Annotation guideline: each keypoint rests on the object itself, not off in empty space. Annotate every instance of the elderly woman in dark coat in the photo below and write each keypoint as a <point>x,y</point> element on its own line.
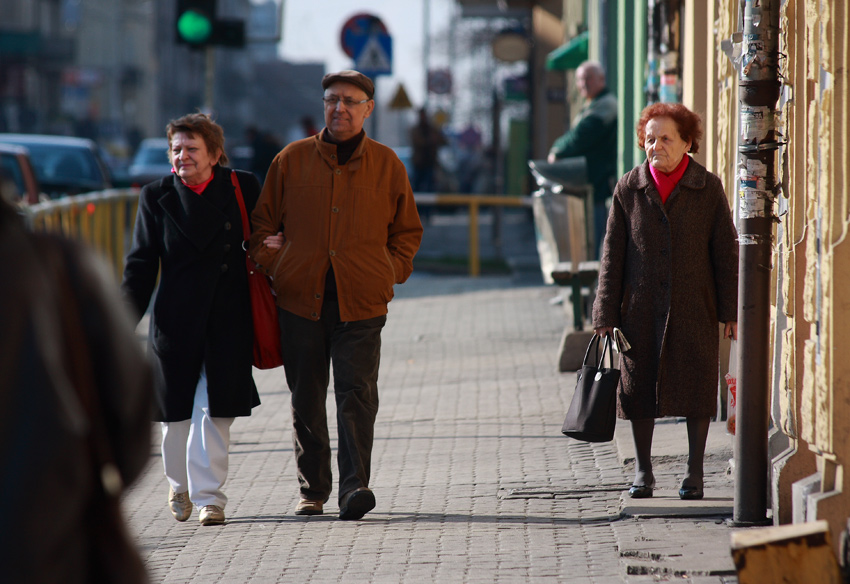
<point>189,230</point>
<point>668,275</point>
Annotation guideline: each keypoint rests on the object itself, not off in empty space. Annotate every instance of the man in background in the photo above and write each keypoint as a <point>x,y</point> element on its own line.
<point>593,135</point>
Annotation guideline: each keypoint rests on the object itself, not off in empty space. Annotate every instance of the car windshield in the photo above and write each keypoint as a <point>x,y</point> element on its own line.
<point>64,164</point>
<point>151,156</point>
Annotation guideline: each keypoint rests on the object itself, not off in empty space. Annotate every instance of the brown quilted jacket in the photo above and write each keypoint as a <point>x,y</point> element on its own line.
<point>359,217</point>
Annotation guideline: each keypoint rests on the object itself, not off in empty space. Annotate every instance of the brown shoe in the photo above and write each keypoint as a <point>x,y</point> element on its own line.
<point>211,515</point>
<point>309,507</point>
<point>357,503</point>
<point>180,505</point>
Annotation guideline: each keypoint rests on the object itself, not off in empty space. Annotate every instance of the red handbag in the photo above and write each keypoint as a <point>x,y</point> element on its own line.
<point>267,352</point>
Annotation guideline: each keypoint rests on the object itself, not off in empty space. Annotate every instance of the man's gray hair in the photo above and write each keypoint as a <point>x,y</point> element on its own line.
<point>594,67</point>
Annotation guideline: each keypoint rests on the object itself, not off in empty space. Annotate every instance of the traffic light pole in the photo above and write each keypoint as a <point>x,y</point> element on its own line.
<point>209,79</point>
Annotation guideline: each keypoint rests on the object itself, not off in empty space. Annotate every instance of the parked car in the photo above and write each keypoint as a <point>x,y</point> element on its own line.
<point>63,165</point>
<point>150,162</point>
<point>19,183</point>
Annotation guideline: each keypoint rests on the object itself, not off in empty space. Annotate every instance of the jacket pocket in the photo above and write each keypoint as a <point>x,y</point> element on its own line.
<point>281,254</point>
<point>392,266</point>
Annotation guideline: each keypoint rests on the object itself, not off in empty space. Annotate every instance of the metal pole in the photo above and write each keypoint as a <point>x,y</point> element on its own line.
<point>757,145</point>
<point>209,79</point>
<point>426,45</point>
<point>498,173</point>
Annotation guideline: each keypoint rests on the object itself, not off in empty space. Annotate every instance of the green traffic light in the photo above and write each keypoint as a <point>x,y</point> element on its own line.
<point>194,27</point>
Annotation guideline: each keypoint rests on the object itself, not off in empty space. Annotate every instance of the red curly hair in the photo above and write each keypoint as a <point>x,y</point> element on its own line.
<point>688,122</point>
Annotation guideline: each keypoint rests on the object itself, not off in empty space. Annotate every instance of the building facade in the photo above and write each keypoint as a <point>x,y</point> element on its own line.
<point>809,386</point>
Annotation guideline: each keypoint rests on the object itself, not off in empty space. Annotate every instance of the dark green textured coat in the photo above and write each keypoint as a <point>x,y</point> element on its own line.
<point>201,313</point>
<point>593,134</point>
<point>668,275</point>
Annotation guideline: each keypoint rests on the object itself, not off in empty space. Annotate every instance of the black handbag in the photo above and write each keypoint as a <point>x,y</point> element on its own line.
<point>593,410</point>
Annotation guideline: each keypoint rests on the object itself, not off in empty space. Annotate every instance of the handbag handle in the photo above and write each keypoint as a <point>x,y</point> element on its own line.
<point>246,226</point>
<point>606,348</point>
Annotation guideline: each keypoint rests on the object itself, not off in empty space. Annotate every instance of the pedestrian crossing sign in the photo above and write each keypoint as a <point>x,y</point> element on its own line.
<point>376,56</point>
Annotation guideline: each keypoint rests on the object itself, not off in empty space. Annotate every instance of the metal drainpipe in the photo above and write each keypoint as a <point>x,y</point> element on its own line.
<point>757,145</point>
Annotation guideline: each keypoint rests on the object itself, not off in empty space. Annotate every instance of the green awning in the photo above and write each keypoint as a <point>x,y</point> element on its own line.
<point>569,55</point>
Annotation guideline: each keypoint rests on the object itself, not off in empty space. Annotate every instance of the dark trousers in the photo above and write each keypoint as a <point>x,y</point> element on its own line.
<point>354,348</point>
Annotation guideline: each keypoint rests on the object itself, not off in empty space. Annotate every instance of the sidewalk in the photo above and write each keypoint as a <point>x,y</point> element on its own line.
<point>474,482</point>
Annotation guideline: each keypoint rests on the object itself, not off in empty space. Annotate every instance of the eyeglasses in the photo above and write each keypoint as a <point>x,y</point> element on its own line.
<point>333,100</point>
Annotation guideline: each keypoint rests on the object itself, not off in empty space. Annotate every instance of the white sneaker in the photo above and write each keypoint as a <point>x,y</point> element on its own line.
<point>180,505</point>
<point>211,515</point>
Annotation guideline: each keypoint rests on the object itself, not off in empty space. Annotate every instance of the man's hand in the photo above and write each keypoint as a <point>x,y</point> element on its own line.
<point>730,331</point>
<point>274,241</point>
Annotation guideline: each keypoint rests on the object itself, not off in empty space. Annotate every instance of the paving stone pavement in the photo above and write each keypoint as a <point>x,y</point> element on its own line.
<point>474,482</point>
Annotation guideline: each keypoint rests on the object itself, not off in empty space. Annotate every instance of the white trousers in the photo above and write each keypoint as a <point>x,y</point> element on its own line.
<point>194,452</point>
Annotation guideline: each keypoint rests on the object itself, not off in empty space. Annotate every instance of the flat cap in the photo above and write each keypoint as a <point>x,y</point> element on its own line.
<point>350,76</point>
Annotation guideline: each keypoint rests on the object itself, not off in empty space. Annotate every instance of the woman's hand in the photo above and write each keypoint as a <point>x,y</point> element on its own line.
<point>604,331</point>
<point>730,331</point>
<point>274,241</point>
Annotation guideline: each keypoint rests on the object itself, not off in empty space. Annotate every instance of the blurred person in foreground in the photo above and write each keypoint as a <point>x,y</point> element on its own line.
<point>75,392</point>
<point>336,227</point>
<point>668,275</point>
<point>189,231</point>
<point>593,135</point>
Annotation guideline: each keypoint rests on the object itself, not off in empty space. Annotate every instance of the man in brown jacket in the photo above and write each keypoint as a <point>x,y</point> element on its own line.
<point>335,228</point>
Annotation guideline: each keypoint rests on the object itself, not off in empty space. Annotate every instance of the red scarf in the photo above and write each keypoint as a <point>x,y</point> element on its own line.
<point>196,188</point>
<point>665,182</point>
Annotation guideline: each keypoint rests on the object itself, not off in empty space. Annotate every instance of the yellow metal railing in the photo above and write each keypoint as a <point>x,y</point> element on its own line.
<point>474,203</point>
<point>103,219</point>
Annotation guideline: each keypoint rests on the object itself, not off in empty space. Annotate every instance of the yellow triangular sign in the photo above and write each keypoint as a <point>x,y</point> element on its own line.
<point>400,101</point>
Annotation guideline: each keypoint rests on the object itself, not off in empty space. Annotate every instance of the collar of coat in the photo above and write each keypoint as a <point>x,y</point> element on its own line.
<point>328,151</point>
<point>694,178</point>
<point>199,217</point>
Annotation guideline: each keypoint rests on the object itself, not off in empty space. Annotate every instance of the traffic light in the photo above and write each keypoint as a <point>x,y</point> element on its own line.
<point>198,26</point>
<point>195,22</point>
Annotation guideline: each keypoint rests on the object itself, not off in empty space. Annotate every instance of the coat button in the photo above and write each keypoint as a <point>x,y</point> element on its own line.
<point>664,252</point>
<point>318,296</point>
<point>227,226</point>
<point>226,247</point>
<point>314,315</point>
<point>338,171</point>
<point>335,209</point>
<point>332,252</point>
<point>223,268</point>
<point>664,220</point>
<point>664,285</point>
<point>333,156</point>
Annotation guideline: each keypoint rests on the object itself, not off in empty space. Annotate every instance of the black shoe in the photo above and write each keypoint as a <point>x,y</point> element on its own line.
<point>690,493</point>
<point>357,503</point>
<point>641,491</point>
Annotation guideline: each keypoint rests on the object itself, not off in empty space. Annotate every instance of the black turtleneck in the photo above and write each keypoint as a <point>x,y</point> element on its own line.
<point>346,148</point>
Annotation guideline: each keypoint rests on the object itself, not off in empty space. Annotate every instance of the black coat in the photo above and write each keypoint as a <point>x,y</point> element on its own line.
<point>201,314</point>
